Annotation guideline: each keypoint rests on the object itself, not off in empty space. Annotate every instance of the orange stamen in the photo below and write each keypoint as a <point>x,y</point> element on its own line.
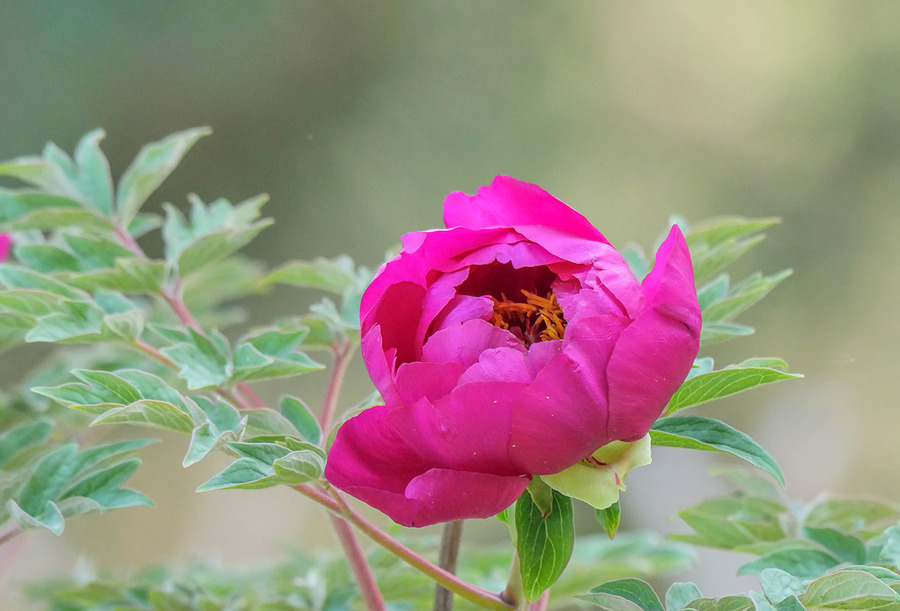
<point>536,319</point>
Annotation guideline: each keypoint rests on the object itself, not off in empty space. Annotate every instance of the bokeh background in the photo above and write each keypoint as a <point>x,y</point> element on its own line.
<point>358,117</point>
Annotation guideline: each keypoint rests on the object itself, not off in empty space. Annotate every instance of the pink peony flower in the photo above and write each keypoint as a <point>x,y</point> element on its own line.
<point>5,245</point>
<point>516,342</point>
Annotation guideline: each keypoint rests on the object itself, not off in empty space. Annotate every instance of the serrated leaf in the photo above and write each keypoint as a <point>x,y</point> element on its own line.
<point>215,231</point>
<point>850,590</point>
<point>633,590</point>
<point>202,361</point>
<point>298,414</point>
<point>710,435</point>
<point>544,544</point>
<point>152,165</point>
<point>706,387</point>
<point>25,435</point>
<point>799,562</point>
<point>680,594</point>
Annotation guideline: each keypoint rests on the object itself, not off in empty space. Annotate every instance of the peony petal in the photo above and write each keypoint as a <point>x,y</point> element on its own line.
<point>508,202</point>
<point>648,364</point>
<point>443,495</point>
<point>599,482</point>
<point>398,313</point>
<point>464,343</point>
<point>557,421</point>
<point>429,380</point>
<point>395,487</point>
<point>498,365</point>
<point>670,285</point>
<point>460,309</point>
<point>467,430</point>
<point>380,365</point>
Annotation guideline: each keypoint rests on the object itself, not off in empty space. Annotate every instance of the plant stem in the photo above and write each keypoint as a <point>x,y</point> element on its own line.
<point>358,564</point>
<point>450,540</point>
<point>342,354</point>
<point>514,594</point>
<point>476,595</point>
<point>9,535</point>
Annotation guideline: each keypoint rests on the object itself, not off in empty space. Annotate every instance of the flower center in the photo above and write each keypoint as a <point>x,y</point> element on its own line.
<point>537,319</point>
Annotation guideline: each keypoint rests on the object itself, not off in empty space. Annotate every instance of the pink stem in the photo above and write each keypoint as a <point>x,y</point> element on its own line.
<point>479,596</point>
<point>342,354</point>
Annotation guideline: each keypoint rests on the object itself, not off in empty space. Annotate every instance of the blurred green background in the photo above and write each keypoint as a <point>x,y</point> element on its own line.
<point>357,118</point>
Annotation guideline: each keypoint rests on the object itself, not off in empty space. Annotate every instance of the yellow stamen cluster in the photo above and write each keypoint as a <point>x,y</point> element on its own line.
<point>537,318</point>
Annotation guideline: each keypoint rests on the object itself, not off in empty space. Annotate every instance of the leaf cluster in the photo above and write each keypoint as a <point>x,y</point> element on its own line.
<point>829,554</point>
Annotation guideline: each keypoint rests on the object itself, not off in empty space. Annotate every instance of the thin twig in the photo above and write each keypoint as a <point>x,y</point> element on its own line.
<point>342,354</point>
<point>450,540</point>
<point>474,594</point>
<point>358,564</point>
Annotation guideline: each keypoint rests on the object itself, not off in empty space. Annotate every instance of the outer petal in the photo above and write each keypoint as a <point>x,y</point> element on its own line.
<point>383,466</point>
<point>508,202</point>
<point>558,421</point>
<point>670,285</point>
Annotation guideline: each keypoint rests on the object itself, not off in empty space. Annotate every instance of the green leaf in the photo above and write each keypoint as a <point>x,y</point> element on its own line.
<point>609,602</point>
<point>729,381</point>
<point>75,322</point>
<point>23,436</point>
<point>299,466</point>
<point>45,259</point>
<point>158,414</point>
<point>744,295</point>
<point>297,412</point>
<point>714,332</point>
<point>791,603</point>
<point>727,603</point>
<point>860,517</point>
<point>244,473</point>
<point>223,424</point>
<point>271,355</point>
<point>847,548</point>
<point>41,173</point>
<point>49,518</point>
<point>799,562</point>
<point>734,522</point>
<point>203,361</point>
<point>94,179</point>
<point>15,277</point>
<point>544,544</point>
<point>779,585</point>
<point>152,165</point>
<point>697,433</point>
<point>633,590</point>
<point>331,275</point>
<point>25,210</point>
<point>680,594</point>
<point>103,487</point>
<point>850,590</point>
<point>47,481</point>
<point>215,232</point>
<point>609,519</point>
<point>268,422</point>
<point>131,275</point>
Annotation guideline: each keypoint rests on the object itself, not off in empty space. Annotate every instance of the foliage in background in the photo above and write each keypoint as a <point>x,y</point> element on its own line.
<point>150,341</point>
